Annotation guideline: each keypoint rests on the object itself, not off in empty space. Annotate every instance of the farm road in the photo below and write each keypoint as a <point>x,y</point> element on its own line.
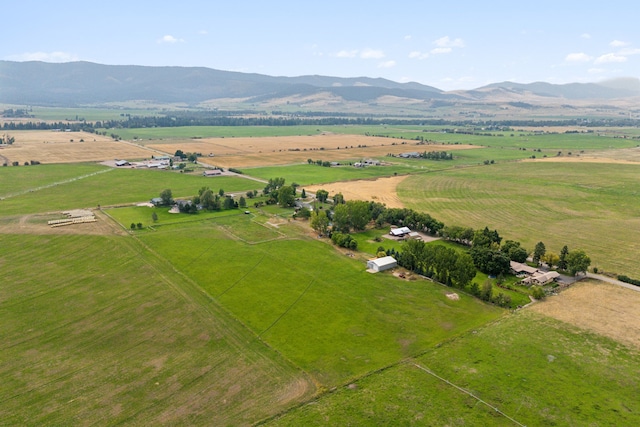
<point>613,281</point>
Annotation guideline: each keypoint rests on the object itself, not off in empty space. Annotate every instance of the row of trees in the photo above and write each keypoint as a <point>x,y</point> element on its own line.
<point>492,258</point>
<point>205,199</point>
<point>446,265</point>
<point>436,155</point>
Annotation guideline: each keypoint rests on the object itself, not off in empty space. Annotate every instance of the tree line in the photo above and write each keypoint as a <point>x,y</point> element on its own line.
<point>248,118</point>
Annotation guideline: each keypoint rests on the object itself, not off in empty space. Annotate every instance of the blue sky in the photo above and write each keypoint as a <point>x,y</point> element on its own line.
<point>450,45</point>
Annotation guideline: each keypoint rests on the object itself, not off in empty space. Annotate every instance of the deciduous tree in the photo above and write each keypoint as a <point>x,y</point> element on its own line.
<point>577,261</point>
<point>319,221</point>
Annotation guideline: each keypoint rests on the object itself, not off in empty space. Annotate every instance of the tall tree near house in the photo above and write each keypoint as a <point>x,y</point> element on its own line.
<point>322,195</point>
<point>341,220</point>
<point>166,196</point>
<point>359,214</point>
<point>538,252</point>
<point>577,261</point>
<point>319,221</point>
<point>562,262</point>
<point>286,196</point>
<point>550,258</point>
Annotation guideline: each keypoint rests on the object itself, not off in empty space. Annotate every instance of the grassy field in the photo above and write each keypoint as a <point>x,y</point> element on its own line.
<point>21,179</point>
<point>114,186</point>
<point>536,370</point>
<point>313,174</point>
<point>323,311</point>
<point>589,206</point>
<point>104,332</point>
<point>214,131</point>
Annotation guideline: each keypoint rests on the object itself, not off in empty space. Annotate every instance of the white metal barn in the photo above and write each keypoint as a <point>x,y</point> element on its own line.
<point>381,264</point>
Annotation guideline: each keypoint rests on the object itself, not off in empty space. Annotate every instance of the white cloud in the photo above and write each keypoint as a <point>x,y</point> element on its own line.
<point>578,57</point>
<point>447,42</point>
<point>441,50</point>
<point>45,57</point>
<point>610,57</point>
<point>618,43</point>
<point>407,37</point>
<point>347,54</point>
<point>418,55</point>
<point>629,51</point>
<point>371,54</point>
<point>596,70</point>
<point>585,36</point>
<point>387,64</point>
<point>203,32</point>
<point>169,39</point>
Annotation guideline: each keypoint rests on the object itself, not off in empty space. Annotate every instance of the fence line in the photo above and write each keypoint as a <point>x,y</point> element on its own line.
<point>470,394</point>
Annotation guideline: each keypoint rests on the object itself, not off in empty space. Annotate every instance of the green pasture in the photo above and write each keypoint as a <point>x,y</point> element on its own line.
<point>15,180</point>
<point>103,332</point>
<point>182,132</point>
<point>536,370</point>
<point>584,206</point>
<point>88,114</point>
<point>144,215</point>
<point>114,187</point>
<point>314,305</point>
<point>306,174</point>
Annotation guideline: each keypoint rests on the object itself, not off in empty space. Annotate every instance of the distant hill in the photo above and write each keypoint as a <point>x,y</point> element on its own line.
<point>612,89</point>
<point>84,83</point>
<point>77,83</point>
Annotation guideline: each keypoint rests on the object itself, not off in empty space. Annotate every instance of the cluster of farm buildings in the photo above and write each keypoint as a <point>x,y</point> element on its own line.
<point>529,275</point>
<point>533,276</point>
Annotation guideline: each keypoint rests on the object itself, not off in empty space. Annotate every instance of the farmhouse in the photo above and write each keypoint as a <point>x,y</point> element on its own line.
<point>157,201</point>
<point>519,268</point>
<point>122,163</point>
<point>400,231</point>
<point>381,264</point>
<point>213,172</point>
<point>541,279</point>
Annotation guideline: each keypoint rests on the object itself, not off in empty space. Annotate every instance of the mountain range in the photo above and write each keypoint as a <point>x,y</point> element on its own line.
<point>83,83</point>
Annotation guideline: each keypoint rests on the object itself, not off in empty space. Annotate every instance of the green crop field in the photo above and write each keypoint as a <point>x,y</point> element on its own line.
<point>103,331</point>
<point>182,132</point>
<point>307,174</point>
<point>536,370</point>
<point>585,206</point>
<point>336,325</point>
<point>112,187</point>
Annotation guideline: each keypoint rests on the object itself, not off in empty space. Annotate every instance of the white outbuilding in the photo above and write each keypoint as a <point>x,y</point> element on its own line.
<point>400,231</point>
<point>380,264</point>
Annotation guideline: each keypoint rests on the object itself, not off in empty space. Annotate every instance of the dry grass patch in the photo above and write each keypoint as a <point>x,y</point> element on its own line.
<point>56,147</point>
<point>382,190</point>
<point>267,151</point>
<point>37,224</point>
<point>603,308</point>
